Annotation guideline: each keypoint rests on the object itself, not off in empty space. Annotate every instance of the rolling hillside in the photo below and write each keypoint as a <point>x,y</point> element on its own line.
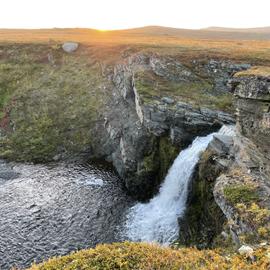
<point>144,34</point>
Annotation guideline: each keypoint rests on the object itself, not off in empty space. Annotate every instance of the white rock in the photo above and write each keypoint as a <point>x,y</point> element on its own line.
<point>224,235</point>
<point>70,47</point>
<point>168,100</point>
<point>245,250</point>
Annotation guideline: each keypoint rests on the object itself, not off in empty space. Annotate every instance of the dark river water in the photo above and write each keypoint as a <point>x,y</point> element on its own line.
<point>52,210</point>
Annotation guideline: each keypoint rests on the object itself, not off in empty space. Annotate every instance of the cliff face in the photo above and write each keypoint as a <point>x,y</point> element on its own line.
<point>149,119</point>
<point>253,109</point>
<point>238,183</point>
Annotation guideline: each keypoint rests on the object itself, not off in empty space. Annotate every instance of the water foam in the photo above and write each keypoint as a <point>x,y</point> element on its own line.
<point>157,220</point>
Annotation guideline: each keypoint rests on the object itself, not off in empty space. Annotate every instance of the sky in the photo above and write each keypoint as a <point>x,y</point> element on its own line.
<point>123,14</point>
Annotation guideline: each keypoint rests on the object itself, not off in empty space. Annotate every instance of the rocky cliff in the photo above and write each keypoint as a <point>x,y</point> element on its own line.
<point>148,126</point>
<point>137,110</point>
<point>231,187</point>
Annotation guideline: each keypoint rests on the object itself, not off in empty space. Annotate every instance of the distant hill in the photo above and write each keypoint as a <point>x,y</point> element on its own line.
<point>246,30</point>
<point>207,33</point>
<point>148,34</point>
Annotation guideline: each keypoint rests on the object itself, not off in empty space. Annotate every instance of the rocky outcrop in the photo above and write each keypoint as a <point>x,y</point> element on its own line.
<point>143,138</point>
<point>253,109</point>
<point>182,120</point>
<point>233,176</point>
<point>220,71</point>
<point>204,220</point>
<point>243,193</point>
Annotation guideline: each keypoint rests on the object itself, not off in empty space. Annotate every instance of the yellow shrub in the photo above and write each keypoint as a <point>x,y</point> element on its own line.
<point>142,256</point>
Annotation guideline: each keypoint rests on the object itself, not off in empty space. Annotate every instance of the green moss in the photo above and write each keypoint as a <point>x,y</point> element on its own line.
<point>36,141</point>
<point>224,102</point>
<point>258,218</point>
<point>198,93</point>
<point>11,77</point>
<point>150,163</point>
<point>54,104</point>
<point>156,163</point>
<point>241,193</point>
<point>167,154</point>
<point>204,220</point>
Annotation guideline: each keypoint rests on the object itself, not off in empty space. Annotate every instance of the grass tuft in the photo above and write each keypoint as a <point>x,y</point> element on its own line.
<point>241,193</point>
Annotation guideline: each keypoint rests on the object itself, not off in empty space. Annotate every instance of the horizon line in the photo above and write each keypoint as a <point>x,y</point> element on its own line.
<point>137,27</point>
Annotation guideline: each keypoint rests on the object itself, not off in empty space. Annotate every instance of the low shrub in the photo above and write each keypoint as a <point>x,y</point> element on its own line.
<point>142,256</point>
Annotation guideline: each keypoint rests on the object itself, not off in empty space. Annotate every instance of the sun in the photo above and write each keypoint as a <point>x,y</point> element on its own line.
<point>103,30</point>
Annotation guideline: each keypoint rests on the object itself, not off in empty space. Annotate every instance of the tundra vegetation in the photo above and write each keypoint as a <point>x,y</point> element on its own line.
<point>130,256</point>
<point>49,99</point>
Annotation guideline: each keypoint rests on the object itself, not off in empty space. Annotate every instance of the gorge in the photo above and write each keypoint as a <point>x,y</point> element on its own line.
<point>157,220</point>
<point>142,109</point>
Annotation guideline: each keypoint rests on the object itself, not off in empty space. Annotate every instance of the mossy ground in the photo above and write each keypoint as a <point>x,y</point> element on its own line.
<point>131,256</point>
<point>260,71</point>
<point>49,101</point>
<point>197,92</point>
<point>243,194</point>
<point>258,218</point>
<point>156,162</point>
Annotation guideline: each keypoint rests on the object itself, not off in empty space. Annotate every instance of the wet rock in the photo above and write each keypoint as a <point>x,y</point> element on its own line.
<point>6,172</point>
<point>179,136</point>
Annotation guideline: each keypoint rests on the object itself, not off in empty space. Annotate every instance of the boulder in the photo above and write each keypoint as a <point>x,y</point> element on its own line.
<point>222,143</point>
<point>70,47</point>
<point>245,250</point>
<point>168,100</point>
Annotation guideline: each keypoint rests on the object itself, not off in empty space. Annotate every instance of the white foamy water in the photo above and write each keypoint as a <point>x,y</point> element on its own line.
<point>157,221</point>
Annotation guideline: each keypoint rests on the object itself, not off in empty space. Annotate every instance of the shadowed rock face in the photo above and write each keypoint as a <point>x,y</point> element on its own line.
<point>253,109</point>
<point>230,191</point>
<point>143,134</point>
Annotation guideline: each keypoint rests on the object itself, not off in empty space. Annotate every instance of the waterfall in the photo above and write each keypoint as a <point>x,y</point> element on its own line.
<point>157,220</point>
